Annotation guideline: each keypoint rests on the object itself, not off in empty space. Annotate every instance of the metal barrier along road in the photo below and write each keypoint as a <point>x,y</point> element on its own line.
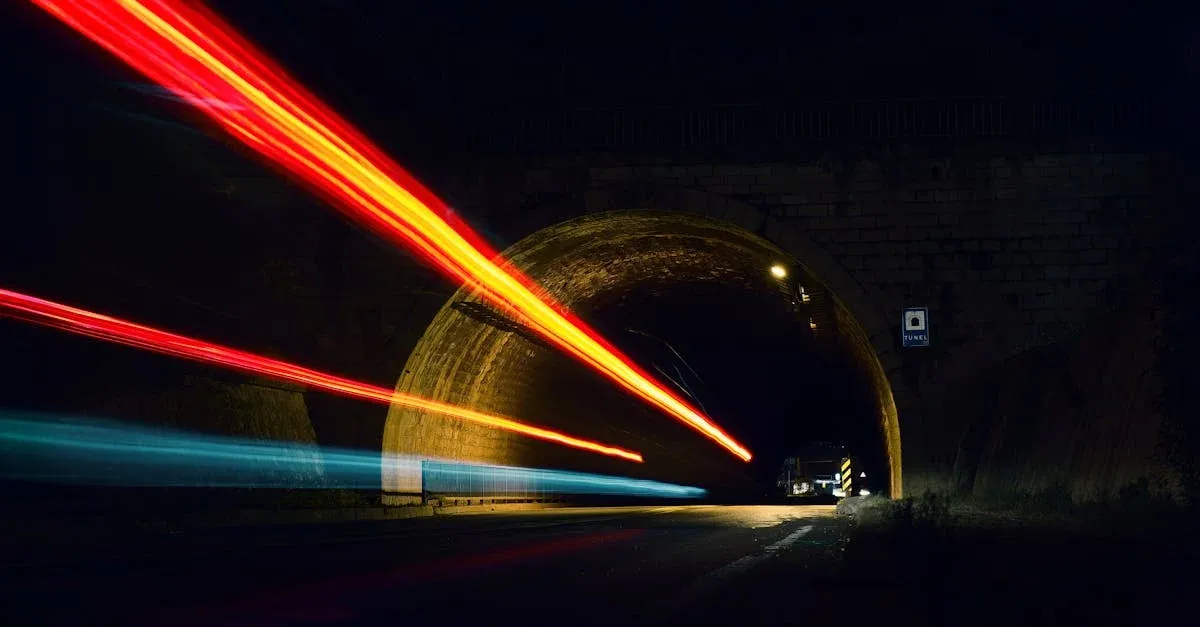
<point>451,481</point>
<point>634,128</point>
<point>448,480</point>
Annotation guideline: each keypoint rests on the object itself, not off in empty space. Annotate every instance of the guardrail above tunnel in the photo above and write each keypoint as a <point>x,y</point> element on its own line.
<point>671,128</point>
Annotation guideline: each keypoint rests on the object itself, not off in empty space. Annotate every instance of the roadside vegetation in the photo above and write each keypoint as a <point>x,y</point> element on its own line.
<point>1023,559</point>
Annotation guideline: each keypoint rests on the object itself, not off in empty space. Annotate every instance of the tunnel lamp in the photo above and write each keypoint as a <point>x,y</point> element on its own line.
<point>812,325</point>
<point>804,296</point>
<point>778,271</point>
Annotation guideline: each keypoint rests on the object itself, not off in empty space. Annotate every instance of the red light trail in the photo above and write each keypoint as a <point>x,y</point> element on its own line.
<point>189,50</point>
<point>111,329</point>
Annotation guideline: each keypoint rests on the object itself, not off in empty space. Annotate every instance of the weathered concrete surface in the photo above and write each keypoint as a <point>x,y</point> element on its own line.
<point>1078,420</point>
<point>261,410</point>
<point>251,409</point>
<point>243,518</point>
<point>855,506</point>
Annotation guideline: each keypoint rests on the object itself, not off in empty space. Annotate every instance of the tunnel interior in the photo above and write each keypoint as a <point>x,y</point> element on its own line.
<point>749,359</point>
<point>693,301</point>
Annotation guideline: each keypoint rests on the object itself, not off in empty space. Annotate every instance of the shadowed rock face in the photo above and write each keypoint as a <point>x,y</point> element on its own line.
<point>603,266</point>
<point>261,410</point>
<point>1073,421</point>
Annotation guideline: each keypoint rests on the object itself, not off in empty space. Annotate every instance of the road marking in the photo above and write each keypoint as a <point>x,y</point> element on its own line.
<point>714,580</point>
<point>746,562</point>
<point>790,539</point>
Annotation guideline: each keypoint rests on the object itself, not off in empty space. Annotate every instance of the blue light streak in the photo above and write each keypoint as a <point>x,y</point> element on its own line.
<point>89,451</point>
<point>452,478</point>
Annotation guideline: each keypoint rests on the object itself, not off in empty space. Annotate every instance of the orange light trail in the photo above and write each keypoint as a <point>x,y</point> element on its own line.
<point>99,326</point>
<point>188,49</point>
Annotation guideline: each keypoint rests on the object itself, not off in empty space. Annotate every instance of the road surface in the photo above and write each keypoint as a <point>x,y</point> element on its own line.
<point>639,566</point>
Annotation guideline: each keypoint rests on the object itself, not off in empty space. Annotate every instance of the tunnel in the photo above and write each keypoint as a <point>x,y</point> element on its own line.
<point>720,315</point>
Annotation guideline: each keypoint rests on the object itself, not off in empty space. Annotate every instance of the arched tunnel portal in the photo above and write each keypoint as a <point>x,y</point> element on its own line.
<point>694,301</point>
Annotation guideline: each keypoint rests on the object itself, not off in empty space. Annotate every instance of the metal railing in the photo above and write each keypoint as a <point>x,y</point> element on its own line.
<point>733,126</point>
<point>448,481</point>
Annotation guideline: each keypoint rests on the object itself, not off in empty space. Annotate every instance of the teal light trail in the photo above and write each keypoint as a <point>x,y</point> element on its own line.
<point>88,451</point>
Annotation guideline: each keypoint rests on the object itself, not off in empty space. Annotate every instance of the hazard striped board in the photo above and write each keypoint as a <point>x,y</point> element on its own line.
<point>847,476</point>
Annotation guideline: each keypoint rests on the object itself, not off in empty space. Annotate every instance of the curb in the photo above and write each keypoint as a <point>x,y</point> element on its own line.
<point>349,514</point>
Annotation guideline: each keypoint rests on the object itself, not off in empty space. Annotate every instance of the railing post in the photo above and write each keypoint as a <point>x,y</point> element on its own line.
<point>424,485</point>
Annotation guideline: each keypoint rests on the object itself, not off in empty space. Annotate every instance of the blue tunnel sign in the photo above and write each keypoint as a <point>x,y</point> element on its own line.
<point>914,328</point>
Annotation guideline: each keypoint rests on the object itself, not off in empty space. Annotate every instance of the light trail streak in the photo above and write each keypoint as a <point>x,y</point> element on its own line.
<point>188,49</point>
<point>99,326</point>
<point>162,92</point>
<point>89,451</point>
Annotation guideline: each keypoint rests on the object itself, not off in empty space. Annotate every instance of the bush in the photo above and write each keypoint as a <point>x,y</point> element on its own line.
<point>1053,500</point>
<point>932,509</point>
<point>926,512</point>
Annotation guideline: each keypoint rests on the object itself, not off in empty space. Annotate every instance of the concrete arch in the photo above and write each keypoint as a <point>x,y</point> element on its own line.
<point>874,332</point>
<point>460,357</point>
<point>785,235</point>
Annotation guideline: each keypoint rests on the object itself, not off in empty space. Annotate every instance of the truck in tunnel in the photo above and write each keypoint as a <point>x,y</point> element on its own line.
<point>822,470</point>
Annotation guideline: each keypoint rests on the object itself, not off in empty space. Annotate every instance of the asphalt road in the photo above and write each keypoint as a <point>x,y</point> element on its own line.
<point>641,566</point>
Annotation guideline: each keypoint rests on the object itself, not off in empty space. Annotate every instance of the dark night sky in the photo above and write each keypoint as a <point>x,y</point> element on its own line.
<point>374,59</point>
<point>372,56</point>
<point>382,62</point>
<point>732,51</point>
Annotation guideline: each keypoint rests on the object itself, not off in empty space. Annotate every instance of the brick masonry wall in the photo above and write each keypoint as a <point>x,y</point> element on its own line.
<point>1008,252</point>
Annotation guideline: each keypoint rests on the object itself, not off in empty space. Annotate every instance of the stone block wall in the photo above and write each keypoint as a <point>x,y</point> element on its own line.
<point>1011,249</point>
<point>1008,252</point>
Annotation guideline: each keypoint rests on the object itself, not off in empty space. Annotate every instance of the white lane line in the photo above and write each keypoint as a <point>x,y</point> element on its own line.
<point>710,583</point>
<point>746,562</point>
<point>790,539</point>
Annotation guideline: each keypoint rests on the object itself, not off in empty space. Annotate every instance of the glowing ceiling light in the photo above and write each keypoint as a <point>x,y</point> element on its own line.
<point>111,329</point>
<point>189,50</point>
<point>778,271</point>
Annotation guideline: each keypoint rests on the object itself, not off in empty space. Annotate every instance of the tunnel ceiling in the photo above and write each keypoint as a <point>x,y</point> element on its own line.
<point>656,284</point>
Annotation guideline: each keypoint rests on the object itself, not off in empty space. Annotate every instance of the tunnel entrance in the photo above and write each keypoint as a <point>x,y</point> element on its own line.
<point>723,316</point>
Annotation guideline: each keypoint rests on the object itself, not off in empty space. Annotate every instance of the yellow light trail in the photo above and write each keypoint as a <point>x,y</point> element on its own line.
<point>191,51</point>
<point>108,328</point>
